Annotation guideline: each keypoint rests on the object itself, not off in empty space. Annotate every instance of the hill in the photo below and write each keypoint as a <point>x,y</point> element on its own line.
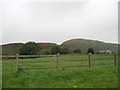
<point>10,49</point>
<point>46,45</point>
<point>13,48</point>
<point>73,44</point>
<point>84,44</point>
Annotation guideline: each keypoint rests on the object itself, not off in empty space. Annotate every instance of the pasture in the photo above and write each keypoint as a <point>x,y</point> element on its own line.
<point>69,72</point>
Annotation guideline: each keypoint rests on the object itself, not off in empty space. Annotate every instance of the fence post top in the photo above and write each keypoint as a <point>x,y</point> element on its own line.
<point>17,54</point>
<point>58,54</point>
<point>89,53</point>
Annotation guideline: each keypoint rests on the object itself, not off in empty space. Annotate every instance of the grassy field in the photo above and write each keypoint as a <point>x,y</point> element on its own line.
<point>105,76</point>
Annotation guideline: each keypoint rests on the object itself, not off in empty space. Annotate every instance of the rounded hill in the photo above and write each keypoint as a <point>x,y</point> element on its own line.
<point>84,44</point>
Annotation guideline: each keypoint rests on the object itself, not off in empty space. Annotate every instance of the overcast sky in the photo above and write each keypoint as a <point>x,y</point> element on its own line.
<point>58,21</point>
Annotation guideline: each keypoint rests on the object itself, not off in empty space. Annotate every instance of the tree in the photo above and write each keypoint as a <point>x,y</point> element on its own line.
<point>30,48</point>
<point>44,52</point>
<point>91,50</point>
<point>77,51</point>
<point>56,49</point>
<point>65,51</point>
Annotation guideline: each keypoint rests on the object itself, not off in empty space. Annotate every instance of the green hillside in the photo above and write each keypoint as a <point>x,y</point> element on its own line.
<point>46,45</point>
<point>10,49</point>
<point>73,44</point>
<point>13,48</point>
<point>84,44</point>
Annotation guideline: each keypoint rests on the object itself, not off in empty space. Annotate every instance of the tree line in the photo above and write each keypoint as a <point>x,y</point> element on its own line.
<point>32,48</point>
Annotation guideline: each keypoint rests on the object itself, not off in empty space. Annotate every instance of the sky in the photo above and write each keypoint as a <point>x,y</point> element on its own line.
<point>58,20</point>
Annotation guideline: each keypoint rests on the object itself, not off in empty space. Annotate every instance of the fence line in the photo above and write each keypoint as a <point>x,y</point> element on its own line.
<point>24,56</point>
<point>17,63</point>
<point>58,61</point>
<point>89,60</point>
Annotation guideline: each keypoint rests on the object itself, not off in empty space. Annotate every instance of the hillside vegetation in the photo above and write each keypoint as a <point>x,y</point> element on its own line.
<point>84,44</point>
<point>13,48</point>
<point>73,44</point>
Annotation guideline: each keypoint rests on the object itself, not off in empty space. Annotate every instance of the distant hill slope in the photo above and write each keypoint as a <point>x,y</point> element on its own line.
<point>84,44</point>
<point>46,45</point>
<point>10,49</point>
<point>13,48</point>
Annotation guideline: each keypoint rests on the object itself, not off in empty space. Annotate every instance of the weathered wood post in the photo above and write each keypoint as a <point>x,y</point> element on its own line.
<point>115,61</point>
<point>89,60</point>
<point>17,63</point>
<point>57,62</point>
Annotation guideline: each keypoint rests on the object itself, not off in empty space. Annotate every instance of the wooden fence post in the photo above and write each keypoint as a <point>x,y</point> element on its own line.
<point>57,62</point>
<point>115,61</point>
<point>89,60</point>
<point>17,63</point>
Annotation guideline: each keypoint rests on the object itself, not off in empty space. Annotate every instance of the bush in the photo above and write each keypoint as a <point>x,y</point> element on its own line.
<point>91,50</point>
<point>44,52</point>
<point>56,49</point>
<point>65,51</point>
<point>77,51</point>
<point>30,48</point>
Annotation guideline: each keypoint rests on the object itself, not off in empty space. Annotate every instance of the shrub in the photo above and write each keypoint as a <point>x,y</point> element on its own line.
<point>65,51</point>
<point>77,51</point>
<point>91,50</point>
<point>56,49</point>
<point>44,52</point>
<point>30,48</point>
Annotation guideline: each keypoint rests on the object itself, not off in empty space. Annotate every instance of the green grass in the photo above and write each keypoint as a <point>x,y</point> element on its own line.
<point>82,77</point>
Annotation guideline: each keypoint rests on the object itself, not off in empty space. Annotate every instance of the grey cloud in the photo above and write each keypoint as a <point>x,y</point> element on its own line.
<point>57,22</point>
